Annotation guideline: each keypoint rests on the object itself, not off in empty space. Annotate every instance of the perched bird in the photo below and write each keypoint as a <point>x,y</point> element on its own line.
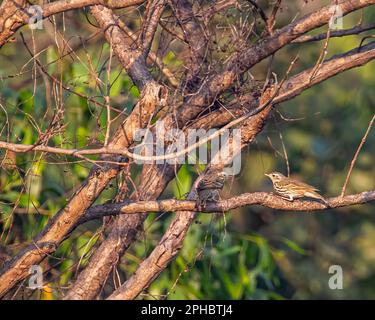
<point>290,189</point>
<point>210,185</point>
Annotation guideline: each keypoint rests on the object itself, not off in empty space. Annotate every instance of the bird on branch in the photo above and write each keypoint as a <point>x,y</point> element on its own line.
<point>210,185</point>
<point>290,189</point>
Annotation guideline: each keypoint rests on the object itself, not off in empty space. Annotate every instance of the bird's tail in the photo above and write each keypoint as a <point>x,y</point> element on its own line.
<point>315,195</point>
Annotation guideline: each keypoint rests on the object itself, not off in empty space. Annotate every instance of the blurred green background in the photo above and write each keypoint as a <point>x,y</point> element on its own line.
<point>255,252</point>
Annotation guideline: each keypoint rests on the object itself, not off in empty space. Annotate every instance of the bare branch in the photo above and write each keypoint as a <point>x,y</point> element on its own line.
<point>335,34</point>
<point>153,57</point>
<point>92,278</point>
<point>153,14</point>
<point>272,18</point>
<point>262,14</point>
<point>356,155</point>
<point>209,11</point>
<point>247,199</point>
<point>133,59</point>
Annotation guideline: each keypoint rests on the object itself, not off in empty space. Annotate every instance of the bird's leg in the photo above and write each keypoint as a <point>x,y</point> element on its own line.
<point>326,203</point>
<point>216,196</point>
<point>204,203</point>
<point>288,198</point>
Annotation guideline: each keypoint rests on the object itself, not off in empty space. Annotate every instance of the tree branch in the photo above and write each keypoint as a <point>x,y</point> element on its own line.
<point>133,59</point>
<point>153,13</point>
<point>195,36</point>
<point>14,15</point>
<point>356,155</point>
<point>264,199</point>
<point>334,34</point>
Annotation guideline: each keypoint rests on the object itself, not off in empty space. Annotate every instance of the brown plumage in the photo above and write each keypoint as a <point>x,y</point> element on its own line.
<point>290,189</point>
<point>210,185</point>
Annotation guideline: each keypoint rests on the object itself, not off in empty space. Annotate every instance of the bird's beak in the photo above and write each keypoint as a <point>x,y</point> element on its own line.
<point>266,174</point>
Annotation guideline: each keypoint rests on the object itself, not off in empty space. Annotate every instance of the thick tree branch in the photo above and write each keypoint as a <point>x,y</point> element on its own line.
<point>151,21</point>
<point>268,200</point>
<point>207,94</point>
<point>205,82</point>
<point>133,59</point>
<point>152,56</point>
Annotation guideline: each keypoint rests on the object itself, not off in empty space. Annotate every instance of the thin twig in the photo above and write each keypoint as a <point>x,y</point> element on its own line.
<point>334,34</point>
<point>356,155</point>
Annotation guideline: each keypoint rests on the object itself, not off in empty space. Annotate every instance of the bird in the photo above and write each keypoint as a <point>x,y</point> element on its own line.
<point>290,189</point>
<point>208,188</point>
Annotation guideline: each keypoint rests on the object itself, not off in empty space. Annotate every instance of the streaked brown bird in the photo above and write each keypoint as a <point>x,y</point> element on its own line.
<point>210,185</point>
<point>290,189</point>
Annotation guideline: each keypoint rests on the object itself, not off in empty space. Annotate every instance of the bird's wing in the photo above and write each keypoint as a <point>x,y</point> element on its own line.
<point>209,183</point>
<point>304,185</point>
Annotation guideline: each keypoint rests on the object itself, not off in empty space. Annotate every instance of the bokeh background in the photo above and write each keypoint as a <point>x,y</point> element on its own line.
<point>252,252</point>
